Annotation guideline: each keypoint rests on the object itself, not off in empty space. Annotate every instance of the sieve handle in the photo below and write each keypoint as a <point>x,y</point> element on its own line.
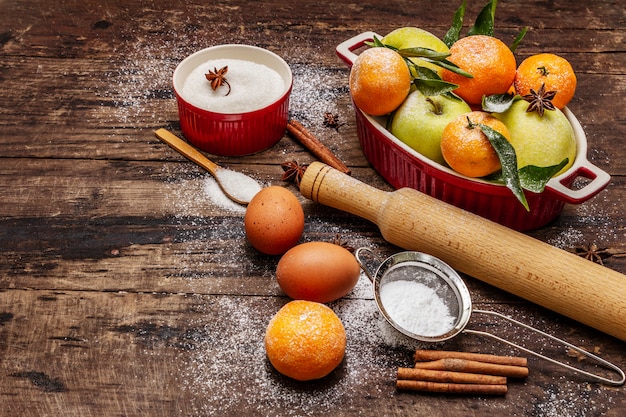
<point>596,377</point>
<point>358,254</point>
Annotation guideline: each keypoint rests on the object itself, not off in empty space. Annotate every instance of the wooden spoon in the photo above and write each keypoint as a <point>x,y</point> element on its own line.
<point>236,186</point>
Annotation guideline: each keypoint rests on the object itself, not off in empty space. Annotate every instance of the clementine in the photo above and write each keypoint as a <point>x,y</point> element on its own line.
<point>550,70</point>
<point>379,81</point>
<point>466,149</point>
<point>491,63</point>
<point>305,340</point>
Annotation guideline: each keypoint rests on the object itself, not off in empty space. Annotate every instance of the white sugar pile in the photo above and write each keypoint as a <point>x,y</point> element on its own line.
<point>252,86</point>
<point>416,308</point>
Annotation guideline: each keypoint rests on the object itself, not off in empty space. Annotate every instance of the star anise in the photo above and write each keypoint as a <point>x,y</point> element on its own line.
<point>332,121</point>
<point>293,171</point>
<point>540,100</point>
<point>593,253</point>
<point>218,78</point>
<point>337,241</point>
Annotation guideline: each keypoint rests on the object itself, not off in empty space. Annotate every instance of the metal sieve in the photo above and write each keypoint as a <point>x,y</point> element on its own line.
<point>445,284</point>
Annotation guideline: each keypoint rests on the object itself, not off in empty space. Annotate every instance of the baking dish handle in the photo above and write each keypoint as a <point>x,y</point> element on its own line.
<point>345,49</point>
<point>599,179</point>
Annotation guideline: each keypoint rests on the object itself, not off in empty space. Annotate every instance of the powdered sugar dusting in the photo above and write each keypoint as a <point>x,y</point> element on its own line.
<point>215,372</point>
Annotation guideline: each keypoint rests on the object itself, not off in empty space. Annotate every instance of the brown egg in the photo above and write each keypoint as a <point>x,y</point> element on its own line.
<point>274,220</point>
<point>317,271</point>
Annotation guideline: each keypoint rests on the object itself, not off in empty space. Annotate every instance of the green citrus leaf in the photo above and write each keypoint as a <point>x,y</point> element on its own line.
<point>424,72</point>
<point>431,87</point>
<point>429,55</point>
<point>485,21</point>
<point>434,57</point>
<point>454,33</point>
<point>419,52</point>
<point>430,83</point>
<point>519,38</point>
<point>508,160</point>
<point>498,103</point>
<point>534,178</point>
<point>376,43</point>
<point>452,67</point>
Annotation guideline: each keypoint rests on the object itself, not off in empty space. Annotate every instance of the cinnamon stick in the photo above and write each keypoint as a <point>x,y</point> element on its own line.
<point>451,388</point>
<point>432,355</point>
<point>317,148</point>
<point>464,365</point>
<point>450,377</point>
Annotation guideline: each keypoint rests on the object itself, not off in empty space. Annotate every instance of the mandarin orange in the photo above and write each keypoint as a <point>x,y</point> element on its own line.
<point>305,340</point>
<point>551,70</point>
<point>466,149</point>
<point>379,81</point>
<point>489,60</point>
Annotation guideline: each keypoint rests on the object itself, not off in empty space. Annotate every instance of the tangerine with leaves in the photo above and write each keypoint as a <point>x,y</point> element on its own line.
<point>491,63</point>
<point>305,340</point>
<point>553,72</point>
<point>466,149</point>
<point>379,81</point>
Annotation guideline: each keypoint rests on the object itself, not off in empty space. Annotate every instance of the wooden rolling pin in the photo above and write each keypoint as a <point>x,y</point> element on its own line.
<point>512,261</point>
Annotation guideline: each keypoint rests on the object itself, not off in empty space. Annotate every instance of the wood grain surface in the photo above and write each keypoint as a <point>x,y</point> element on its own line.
<point>127,289</point>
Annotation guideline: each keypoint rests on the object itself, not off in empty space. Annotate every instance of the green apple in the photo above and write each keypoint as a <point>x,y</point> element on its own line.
<point>539,140</point>
<point>420,120</point>
<point>412,37</point>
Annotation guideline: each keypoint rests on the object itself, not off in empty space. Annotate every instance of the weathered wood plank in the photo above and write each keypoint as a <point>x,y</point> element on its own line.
<point>162,355</point>
<point>95,29</point>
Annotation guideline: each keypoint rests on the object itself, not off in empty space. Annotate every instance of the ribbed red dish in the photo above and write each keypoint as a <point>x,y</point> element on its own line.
<point>232,134</point>
<point>402,166</point>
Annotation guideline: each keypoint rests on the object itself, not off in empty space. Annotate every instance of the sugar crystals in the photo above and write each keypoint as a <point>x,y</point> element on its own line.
<point>253,86</point>
<point>238,185</point>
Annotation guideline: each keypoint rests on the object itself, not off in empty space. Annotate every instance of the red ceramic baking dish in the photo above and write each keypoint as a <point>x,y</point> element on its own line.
<point>401,166</point>
<point>233,133</point>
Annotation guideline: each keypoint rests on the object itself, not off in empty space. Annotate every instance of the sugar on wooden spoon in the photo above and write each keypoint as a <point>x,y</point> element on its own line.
<point>238,187</point>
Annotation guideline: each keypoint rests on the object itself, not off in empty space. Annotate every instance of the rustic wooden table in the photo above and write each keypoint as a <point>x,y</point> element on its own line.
<point>126,290</point>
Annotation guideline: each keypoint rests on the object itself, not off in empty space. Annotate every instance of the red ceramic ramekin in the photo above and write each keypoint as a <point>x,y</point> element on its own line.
<point>232,134</point>
<point>402,166</point>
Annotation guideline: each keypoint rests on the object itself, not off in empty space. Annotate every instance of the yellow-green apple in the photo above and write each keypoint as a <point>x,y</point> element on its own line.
<point>539,140</point>
<point>420,120</point>
<point>413,37</point>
